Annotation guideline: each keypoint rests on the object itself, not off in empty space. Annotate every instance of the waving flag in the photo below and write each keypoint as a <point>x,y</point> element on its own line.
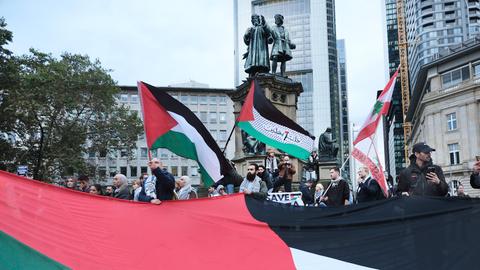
<point>47,227</point>
<point>170,124</point>
<point>380,108</point>
<point>261,120</point>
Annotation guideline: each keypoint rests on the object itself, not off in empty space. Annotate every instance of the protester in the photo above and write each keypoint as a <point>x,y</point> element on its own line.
<point>265,176</point>
<point>251,183</point>
<point>422,177</point>
<point>285,175</point>
<point>368,188</point>
<point>185,190</point>
<point>136,188</point>
<point>96,189</point>
<point>318,195</point>
<point>121,187</point>
<point>311,167</point>
<point>308,192</point>
<point>475,177</point>
<point>461,192</point>
<point>84,183</point>
<point>271,164</point>
<point>212,191</point>
<point>159,186</point>
<point>109,191</point>
<point>338,191</point>
<point>221,191</point>
<point>71,183</point>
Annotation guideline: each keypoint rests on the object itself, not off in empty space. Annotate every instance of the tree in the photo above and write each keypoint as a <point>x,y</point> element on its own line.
<point>61,109</point>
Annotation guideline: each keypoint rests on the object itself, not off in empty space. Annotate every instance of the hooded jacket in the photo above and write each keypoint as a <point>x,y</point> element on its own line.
<point>413,180</point>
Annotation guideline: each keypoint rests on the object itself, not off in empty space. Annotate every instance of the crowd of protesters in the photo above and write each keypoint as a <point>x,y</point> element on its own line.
<point>420,178</point>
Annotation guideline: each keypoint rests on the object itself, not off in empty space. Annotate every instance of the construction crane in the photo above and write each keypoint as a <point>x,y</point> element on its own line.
<point>402,49</point>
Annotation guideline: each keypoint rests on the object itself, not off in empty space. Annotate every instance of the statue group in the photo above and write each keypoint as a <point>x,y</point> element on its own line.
<point>257,39</point>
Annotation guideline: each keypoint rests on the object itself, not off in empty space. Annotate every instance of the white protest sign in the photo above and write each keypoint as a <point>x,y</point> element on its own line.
<point>293,198</point>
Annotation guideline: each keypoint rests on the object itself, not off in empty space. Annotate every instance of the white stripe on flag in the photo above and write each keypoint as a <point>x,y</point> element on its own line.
<point>206,156</point>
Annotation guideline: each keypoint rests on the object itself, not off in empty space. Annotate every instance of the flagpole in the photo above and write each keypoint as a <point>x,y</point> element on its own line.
<point>229,137</point>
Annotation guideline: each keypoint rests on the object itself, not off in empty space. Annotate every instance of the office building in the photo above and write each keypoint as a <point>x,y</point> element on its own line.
<point>311,24</point>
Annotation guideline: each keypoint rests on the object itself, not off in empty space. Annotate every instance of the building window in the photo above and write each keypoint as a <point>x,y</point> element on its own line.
<point>222,100</point>
<point>476,69</point>
<point>223,135</point>
<point>213,100</point>
<point>123,170</point>
<point>452,121</point>
<point>143,170</point>
<point>113,171</point>
<point>143,152</point>
<point>214,134</point>
<point>184,99</point>
<point>203,99</point>
<point>184,170</point>
<point>123,153</point>
<point>194,171</point>
<point>123,98</point>
<point>133,98</point>
<point>133,171</point>
<point>174,170</point>
<point>213,117</point>
<point>203,117</point>
<point>194,100</point>
<point>91,154</point>
<point>456,76</point>
<point>222,117</point>
<point>454,152</point>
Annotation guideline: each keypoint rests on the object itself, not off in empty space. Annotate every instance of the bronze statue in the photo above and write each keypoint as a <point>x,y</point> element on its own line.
<point>327,147</point>
<point>281,46</point>
<point>256,38</point>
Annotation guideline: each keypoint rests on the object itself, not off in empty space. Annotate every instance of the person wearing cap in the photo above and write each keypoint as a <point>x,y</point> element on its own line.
<point>422,177</point>
<point>475,177</point>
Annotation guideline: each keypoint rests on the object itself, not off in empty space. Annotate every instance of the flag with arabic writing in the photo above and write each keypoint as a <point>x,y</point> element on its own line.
<point>260,119</point>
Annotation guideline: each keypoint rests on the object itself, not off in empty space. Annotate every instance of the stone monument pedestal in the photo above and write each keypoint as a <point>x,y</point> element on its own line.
<point>283,93</point>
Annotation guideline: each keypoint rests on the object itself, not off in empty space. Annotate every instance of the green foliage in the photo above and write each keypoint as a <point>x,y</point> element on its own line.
<point>61,109</point>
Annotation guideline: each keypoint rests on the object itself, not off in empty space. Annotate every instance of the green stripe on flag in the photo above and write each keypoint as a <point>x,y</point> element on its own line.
<point>291,149</point>
<point>16,255</point>
<point>181,145</point>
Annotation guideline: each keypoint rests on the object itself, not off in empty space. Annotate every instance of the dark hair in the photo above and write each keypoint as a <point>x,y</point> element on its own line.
<point>83,178</point>
<point>255,165</point>
<point>335,169</point>
<point>261,166</point>
<point>98,187</point>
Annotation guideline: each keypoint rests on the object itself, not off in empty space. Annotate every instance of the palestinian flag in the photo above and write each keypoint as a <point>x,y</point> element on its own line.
<point>381,107</point>
<point>261,120</point>
<point>48,227</point>
<point>170,124</point>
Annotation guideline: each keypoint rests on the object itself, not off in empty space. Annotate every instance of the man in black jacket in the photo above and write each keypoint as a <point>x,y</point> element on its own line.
<point>164,184</point>
<point>475,177</point>
<point>368,188</point>
<point>422,177</point>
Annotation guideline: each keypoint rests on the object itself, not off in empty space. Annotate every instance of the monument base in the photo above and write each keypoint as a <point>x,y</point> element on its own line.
<point>324,171</point>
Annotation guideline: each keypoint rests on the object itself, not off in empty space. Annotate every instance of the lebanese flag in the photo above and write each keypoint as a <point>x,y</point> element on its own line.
<point>381,107</point>
<point>49,227</point>
<point>263,121</point>
<point>376,171</point>
<point>170,124</point>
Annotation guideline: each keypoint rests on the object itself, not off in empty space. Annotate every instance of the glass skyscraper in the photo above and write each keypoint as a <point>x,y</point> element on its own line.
<point>311,24</point>
<point>344,123</point>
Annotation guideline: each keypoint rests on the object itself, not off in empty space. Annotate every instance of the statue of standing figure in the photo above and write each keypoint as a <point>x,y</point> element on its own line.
<point>257,39</point>
<point>282,46</point>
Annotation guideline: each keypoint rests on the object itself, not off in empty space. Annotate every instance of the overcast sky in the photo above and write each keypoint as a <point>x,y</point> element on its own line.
<point>183,40</point>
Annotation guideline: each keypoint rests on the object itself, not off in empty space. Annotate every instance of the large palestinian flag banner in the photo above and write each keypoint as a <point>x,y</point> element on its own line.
<point>170,124</point>
<point>47,227</point>
<point>261,120</point>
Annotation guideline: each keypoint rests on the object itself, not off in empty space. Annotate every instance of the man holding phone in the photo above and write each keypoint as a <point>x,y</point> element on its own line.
<point>422,177</point>
<point>475,177</point>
